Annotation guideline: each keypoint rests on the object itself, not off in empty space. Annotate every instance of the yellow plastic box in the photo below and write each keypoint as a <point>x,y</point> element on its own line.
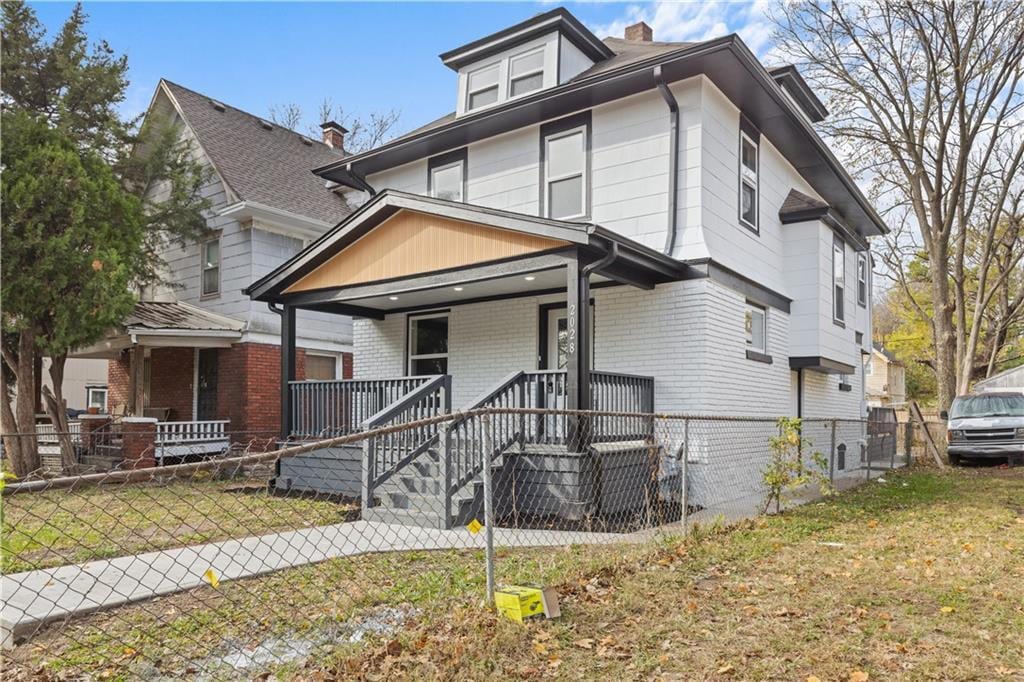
<point>519,603</point>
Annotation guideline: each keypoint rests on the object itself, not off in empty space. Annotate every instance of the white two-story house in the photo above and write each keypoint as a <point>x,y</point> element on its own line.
<point>667,208</point>
<point>618,225</point>
<point>200,349</point>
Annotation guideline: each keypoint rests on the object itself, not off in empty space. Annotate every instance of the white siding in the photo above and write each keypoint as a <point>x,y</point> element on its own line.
<point>503,171</point>
<point>571,60</point>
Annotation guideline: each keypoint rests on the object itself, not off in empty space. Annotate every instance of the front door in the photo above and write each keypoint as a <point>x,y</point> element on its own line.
<point>555,354</point>
<point>206,388</point>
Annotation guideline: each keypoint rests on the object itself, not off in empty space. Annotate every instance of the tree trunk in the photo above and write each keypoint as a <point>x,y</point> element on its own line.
<point>25,412</point>
<point>943,329</point>
<point>56,407</point>
<point>8,423</point>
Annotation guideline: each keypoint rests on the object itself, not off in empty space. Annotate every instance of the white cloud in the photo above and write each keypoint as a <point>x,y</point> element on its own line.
<point>696,21</point>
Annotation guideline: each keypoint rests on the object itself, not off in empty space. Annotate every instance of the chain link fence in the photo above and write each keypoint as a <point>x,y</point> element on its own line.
<point>266,557</point>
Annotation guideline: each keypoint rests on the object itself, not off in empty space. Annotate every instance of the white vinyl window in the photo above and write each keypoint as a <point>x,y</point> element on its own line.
<point>96,396</point>
<point>446,181</point>
<point>428,344</point>
<point>748,181</point>
<point>757,328</point>
<point>838,279</point>
<point>321,367</point>
<point>482,87</point>
<point>526,73</point>
<point>209,253</point>
<point>565,169</point>
<point>862,279</point>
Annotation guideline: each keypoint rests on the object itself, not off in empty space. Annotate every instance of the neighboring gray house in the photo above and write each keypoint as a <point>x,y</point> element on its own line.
<point>616,224</point>
<point>202,349</point>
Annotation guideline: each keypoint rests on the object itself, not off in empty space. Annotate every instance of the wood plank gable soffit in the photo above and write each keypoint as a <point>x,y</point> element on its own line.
<point>412,243</point>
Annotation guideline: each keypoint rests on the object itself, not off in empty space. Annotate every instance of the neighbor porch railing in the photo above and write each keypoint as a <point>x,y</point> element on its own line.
<point>322,409</point>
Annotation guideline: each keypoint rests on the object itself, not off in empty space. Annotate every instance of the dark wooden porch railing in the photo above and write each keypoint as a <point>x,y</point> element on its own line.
<point>323,409</point>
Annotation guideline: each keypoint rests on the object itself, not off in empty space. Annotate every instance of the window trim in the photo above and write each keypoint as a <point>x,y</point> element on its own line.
<point>331,356</point>
<point>862,296</point>
<point>447,160</point>
<point>838,302</point>
<point>497,87</point>
<point>751,134</point>
<point>763,350</point>
<point>203,294</point>
<point>541,49</point>
<point>554,130</point>
<point>409,356</point>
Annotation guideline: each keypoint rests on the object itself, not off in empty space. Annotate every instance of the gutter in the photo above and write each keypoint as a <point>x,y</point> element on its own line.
<point>673,159</point>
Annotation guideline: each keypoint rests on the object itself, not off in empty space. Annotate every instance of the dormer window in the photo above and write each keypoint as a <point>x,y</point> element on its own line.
<point>526,73</point>
<point>483,87</point>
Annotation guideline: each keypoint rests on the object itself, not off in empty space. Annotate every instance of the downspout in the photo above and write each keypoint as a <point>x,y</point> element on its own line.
<point>673,161</point>
<point>610,257</point>
<point>361,181</point>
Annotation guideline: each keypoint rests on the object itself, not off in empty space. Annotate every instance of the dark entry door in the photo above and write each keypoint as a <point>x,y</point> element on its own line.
<point>206,391</point>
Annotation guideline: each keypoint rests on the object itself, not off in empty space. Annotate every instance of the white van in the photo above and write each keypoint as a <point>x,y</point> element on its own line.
<point>986,425</point>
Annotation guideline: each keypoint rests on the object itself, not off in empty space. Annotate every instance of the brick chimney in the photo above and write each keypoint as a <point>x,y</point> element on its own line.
<point>640,32</point>
<point>334,135</point>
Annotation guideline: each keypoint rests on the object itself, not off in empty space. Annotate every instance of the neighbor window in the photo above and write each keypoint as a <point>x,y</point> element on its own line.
<point>748,182</point>
<point>565,167</point>
<point>838,279</point>
<point>526,73</point>
<point>210,255</point>
<point>446,181</point>
<point>862,279</point>
<point>757,335</point>
<point>482,87</point>
<point>428,344</point>
<point>321,367</point>
<point>96,396</point>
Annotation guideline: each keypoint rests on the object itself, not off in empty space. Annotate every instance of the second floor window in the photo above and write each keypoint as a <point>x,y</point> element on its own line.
<point>838,279</point>
<point>446,181</point>
<point>748,182</point>
<point>565,166</point>
<point>209,253</point>
<point>526,73</point>
<point>862,279</point>
<point>482,87</point>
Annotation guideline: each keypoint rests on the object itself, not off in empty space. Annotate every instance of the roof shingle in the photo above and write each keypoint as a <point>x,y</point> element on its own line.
<point>267,166</point>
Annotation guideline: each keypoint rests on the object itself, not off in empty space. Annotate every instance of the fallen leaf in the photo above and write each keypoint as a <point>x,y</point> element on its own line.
<point>947,609</point>
<point>727,668</point>
<point>584,643</point>
<point>812,678</point>
<point>858,676</point>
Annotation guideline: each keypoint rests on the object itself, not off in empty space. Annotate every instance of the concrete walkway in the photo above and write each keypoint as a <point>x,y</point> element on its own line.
<point>33,598</point>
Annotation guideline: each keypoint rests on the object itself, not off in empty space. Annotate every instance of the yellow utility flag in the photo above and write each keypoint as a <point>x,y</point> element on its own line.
<point>474,526</point>
<point>211,577</point>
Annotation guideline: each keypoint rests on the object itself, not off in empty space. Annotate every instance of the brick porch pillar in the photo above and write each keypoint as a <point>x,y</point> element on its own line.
<point>90,424</point>
<point>138,442</point>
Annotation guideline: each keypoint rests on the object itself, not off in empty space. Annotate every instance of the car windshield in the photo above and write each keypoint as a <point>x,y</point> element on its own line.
<point>988,406</point>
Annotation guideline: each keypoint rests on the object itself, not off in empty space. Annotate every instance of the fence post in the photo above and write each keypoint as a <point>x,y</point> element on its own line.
<point>832,456</point>
<point>683,502</point>
<point>908,442</point>
<point>488,448</point>
<point>444,454</point>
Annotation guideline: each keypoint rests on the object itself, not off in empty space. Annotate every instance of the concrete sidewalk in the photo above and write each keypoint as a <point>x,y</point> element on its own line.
<point>34,598</point>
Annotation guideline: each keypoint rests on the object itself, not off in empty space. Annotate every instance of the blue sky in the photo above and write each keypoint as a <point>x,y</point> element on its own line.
<point>364,56</point>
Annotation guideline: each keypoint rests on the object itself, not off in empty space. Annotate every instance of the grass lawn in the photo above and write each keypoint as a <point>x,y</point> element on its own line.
<point>920,577</point>
<point>59,527</point>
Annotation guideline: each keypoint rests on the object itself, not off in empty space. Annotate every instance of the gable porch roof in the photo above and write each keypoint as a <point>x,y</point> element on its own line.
<point>453,243</point>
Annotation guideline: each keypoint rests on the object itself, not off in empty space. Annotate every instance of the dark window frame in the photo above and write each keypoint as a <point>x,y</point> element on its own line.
<point>449,159</point>
<point>748,130</point>
<point>554,128</point>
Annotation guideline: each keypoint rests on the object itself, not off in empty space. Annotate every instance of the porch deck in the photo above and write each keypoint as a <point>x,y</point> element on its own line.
<point>431,476</point>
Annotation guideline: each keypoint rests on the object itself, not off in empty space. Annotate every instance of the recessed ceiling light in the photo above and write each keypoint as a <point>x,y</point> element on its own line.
<point>529,278</point>
<point>392,298</point>
<point>458,288</point>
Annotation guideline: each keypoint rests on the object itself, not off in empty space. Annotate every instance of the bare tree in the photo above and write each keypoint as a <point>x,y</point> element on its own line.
<point>927,100</point>
<point>363,133</point>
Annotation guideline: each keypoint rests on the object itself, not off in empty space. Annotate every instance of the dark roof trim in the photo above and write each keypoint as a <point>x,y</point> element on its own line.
<point>753,291</point>
<point>558,19</point>
<point>726,61</point>
<point>819,363</point>
<point>799,208</point>
<point>389,202</point>
<point>789,78</point>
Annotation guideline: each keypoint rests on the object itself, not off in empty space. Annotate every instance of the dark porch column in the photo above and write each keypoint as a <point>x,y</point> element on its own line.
<point>578,344</point>
<point>287,367</point>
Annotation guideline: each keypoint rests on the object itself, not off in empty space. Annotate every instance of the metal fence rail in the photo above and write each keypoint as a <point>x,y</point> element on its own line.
<point>270,557</point>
